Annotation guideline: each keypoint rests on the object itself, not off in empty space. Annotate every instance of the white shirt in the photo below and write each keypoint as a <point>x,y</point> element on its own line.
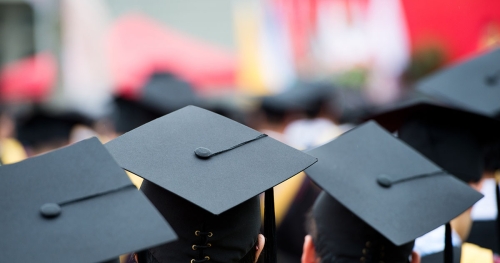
<point>433,241</point>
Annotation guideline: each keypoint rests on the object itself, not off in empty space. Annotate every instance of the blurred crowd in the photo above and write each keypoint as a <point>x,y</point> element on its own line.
<point>302,87</point>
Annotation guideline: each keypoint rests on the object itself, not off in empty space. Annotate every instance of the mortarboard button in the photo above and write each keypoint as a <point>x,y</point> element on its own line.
<point>50,210</point>
<point>203,152</point>
<point>384,180</point>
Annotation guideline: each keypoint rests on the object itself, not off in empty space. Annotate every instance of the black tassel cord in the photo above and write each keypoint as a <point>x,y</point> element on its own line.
<point>269,227</point>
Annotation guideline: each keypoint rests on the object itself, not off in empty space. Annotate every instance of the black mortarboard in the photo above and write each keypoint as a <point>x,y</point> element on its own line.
<point>380,193</point>
<point>306,97</point>
<point>473,84</point>
<point>129,114</point>
<point>393,116</point>
<point>165,93</point>
<point>74,204</point>
<point>162,94</point>
<point>492,157</point>
<point>203,170</point>
<point>450,136</point>
<point>42,126</point>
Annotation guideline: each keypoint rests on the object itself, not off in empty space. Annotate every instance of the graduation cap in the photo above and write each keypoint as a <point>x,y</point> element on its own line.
<point>74,204</point>
<point>129,114</point>
<point>450,136</point>
<point>307,97</point>
<point>203,172</point>
<point>162,94</point>
<point>380,195</point>
<point>473,84</point>
<point>40,127</point>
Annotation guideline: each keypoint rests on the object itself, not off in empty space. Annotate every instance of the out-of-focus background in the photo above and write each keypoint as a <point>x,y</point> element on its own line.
<point>87,57</point>
<point>301,71</point>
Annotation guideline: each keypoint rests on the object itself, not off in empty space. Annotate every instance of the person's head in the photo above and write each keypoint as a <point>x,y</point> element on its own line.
<point>233,236</point>
<point>335,234</point>
<point>492,158</point>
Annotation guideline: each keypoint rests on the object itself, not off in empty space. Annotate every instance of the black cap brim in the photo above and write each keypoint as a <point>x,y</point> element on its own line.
<point>353,167</point>
<point>101,216</point>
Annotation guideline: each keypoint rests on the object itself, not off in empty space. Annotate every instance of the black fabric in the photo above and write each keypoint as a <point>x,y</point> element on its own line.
<point>448,245</point>
<point>481,234</point>
<point>348,169</point>
<point>270,227</point>
<point>344,237</point>
<point>305,97</point>
<point>162,94</point>
<point>450,145</point>
<point>116,260</point>
<point>39,127</point>
<point>473,84</point>
<point>96,228</point>
<point>130,114</point>
<point>234,231</point>
<point>439,257</point>
<point>393,116</point>
<point>218,183</point>
<point>165,93</point>
<point>492,157</point>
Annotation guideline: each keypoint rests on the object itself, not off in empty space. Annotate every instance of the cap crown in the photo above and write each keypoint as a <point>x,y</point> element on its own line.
<point>101,213</point>
<point>163,152</point>
<point>387,184</point>
<point>473,84</point>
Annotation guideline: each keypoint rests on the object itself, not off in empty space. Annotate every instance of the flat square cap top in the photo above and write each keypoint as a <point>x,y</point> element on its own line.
<point>473,84</point>
<point>74,204</point>
<point>246,162</point>
<point>387,184</point>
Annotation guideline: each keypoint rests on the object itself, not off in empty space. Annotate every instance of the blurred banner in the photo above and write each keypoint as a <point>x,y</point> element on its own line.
<point>460,28</point>
<point>282,41</point>
<point>86,71</point>
<point>139,46</point>
<point>250,47</point>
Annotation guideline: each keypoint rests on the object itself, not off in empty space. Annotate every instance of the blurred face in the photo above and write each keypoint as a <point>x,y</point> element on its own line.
<point>6,126</point>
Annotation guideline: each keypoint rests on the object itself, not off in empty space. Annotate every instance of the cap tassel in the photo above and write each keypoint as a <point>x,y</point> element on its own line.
<point>497,193</point>
<point>269,227</point>
<point>448,245</point>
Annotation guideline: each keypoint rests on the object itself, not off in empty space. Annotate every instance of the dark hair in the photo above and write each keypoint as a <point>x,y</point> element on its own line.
<point>146,257</point>
<point>492,157</point>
